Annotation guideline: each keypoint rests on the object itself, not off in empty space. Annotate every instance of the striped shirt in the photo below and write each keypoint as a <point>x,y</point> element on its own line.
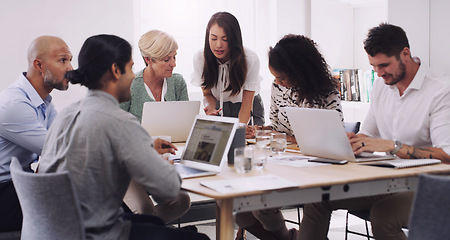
<point>288,97</point>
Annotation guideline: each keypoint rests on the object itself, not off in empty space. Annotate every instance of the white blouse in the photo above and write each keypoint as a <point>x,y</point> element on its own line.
<point>252,81</point>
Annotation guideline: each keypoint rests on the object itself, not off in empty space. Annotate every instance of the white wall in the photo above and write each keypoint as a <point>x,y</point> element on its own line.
<point>73,21</point>
<point>414,17</point>
<point>440,35</point>
<point>340,26</point>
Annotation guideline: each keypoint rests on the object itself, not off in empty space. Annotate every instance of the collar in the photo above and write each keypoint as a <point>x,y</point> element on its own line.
<point>417,81</point>
<point>419,78</point>
<point>102,95</point>
<point>31,92</point>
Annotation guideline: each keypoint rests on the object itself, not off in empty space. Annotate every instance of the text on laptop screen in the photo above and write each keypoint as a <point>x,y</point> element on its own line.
<point>208,141</point>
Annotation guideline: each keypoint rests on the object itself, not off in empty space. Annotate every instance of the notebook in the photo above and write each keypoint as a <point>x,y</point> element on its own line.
<point>404,163</point>
<point>320,133</point>
<point>205,152</point>
<point>170,118</point>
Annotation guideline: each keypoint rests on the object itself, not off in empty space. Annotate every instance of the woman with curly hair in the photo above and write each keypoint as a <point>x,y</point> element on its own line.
<point>302,79</point>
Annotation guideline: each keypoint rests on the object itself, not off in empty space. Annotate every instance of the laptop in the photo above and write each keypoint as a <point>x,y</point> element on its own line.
<point>170,118</point>
<point>320,133</point>
<point>209,141</point>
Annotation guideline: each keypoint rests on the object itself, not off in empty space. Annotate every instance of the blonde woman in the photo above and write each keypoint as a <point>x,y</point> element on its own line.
<point>156,82</point>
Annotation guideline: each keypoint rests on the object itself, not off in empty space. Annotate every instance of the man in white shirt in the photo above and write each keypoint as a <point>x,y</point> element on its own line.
<point>409,117</point>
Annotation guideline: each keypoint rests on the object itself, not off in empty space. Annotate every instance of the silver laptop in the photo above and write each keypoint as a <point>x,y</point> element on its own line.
<point>205,152</point>
<point>173,119</point>
<point>321,133</point>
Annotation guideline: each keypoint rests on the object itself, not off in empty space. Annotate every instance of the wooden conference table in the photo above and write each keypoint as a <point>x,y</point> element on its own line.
<point>313,184</point>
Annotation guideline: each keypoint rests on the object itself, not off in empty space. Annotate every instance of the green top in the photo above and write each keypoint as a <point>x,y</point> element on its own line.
<point>176,91</point>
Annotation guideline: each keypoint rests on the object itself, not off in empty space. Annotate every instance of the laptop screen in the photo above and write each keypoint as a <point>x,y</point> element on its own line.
<point>208,141</point>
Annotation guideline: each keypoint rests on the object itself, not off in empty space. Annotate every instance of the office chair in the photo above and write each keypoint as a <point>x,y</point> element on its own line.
<point>49,204</point>
<point>352,126</point>
<point>364,215</point>
<point>430,210</point>
<point>51,209</point>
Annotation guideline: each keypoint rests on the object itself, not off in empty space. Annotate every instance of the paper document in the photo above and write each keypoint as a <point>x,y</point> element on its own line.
<point>295,161</point>
<point>246,184</point>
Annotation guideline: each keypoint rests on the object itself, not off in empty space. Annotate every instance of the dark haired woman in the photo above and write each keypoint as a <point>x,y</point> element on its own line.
<point>227,72</point>
<point>104,148</point>
<point>302,79</point>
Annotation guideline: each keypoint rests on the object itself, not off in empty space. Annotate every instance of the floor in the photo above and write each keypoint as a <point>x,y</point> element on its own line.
<point>336,232</point>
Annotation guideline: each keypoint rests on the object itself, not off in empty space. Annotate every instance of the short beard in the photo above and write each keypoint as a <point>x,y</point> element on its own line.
<point>53,82</point>
<point>402,74</point>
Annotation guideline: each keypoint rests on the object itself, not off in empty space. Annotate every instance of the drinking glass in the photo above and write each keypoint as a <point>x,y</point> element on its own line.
<point>278,142</point>
<point>263,137</point>
<point>243,159</point>
<point>259,159</point>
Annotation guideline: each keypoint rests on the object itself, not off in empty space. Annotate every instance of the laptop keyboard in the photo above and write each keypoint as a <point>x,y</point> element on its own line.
<point>187,171</point>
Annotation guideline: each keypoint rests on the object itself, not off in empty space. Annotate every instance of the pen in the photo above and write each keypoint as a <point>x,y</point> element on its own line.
<point>251,119</point>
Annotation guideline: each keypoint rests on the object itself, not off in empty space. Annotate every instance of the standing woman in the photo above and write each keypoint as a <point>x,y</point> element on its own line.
<point>156,82</point>
<point>302,79</point>
<point>228,73</point>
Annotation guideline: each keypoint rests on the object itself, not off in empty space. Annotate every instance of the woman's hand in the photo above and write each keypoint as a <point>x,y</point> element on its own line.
<point>212,111</point>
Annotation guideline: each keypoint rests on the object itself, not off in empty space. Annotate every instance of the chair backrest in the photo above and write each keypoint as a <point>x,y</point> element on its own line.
<point>352,126</point>
<point>49,204</point>
<point>431,209</point>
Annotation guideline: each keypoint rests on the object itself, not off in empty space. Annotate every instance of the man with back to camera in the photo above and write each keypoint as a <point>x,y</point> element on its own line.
<point>26,112</point>
<point>409,117</point>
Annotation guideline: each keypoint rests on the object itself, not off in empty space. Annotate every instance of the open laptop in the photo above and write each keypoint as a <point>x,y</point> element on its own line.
<point>170,118</point>
<point>207,146</point>
<point>320,133</point>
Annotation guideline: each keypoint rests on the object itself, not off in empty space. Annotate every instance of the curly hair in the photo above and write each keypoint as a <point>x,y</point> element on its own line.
<point>238,64</point>
<point>298,58</point>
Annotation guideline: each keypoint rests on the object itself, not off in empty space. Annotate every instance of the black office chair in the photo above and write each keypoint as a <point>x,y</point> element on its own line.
<point>352,126</point>
<point>364,215</point>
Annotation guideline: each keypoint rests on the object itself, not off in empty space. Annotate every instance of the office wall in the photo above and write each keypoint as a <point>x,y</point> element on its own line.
<point>440,35</point>
<point>416,23</point>
<point>73,21</point>
<point>339,27</point>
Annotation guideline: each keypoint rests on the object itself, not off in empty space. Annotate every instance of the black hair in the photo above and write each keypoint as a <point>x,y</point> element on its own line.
<point>298,58</point>
<point>238,63</point>
<point>96,57</point>
<point>387,39</point>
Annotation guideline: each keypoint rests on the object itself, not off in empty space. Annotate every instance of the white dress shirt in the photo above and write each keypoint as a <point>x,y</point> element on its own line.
<point>420,117</point>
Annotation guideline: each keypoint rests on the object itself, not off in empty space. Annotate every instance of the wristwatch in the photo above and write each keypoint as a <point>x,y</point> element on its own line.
<point>397,146</point>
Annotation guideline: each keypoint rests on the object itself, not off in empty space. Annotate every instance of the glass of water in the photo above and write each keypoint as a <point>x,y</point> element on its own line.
<point>260,157</point>
<point>263,137</point>
<point>243,159</point>
<point>278,142</point>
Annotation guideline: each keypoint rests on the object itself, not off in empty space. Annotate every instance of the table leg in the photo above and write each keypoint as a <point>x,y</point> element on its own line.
<point>224,220</point>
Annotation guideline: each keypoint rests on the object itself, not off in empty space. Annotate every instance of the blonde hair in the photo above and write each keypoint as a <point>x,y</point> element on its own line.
<point>156,44</point>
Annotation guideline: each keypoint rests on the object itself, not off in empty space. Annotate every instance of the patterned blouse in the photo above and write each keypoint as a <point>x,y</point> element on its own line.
<point>288,97</point>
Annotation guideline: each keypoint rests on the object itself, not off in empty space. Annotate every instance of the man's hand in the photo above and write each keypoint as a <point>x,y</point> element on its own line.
<point>163,146</point>
<point>362,143</point>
